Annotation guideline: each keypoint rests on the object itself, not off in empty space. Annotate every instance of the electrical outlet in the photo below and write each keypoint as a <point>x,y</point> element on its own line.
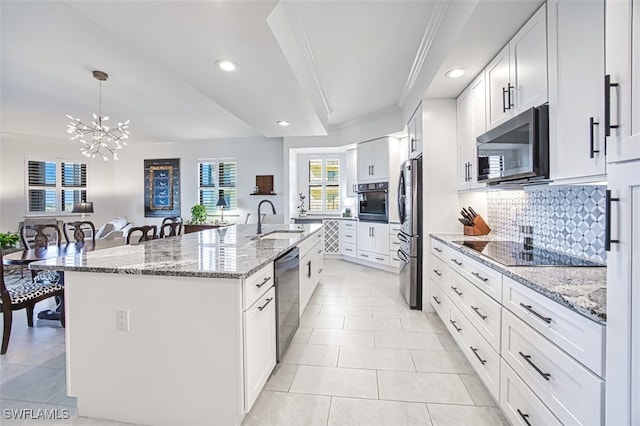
<point>122,320</point>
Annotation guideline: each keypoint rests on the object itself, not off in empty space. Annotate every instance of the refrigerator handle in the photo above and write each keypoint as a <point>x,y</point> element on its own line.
<point>402,237</point>
<point>401,197</point>
<point>403,256</point>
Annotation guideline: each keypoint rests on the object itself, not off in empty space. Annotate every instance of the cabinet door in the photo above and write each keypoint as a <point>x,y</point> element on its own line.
<point>478,108</point>
<point>528,63</point>
<point>365,238</point>
<point>380,234</point>
<point>497,75</point>
<point>623,65</point>
<point>623,297</point>
<point>352,172</point>
<point>415,133</point>
<point>464,138</point>
<point>380,163</point>
<point>576,64</point>
<point>305,275</point>
<point>259,345</point>
<point>364,152</point>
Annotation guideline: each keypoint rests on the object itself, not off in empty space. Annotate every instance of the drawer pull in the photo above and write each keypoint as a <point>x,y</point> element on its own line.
<point>363,255</point>
<point>477,310</point>
<point>475,352</point>
<point>454,260</point>
<point>480,277</point>
<point>263,282</point>
<point>455,290</point>
<point>438,273</point>
<point>260,308</point>
<point>319,251</point>
<point>524,417</point>
<point>320,270</point>
<point>436,299</point>
<point>542,317</point>
<point>535,367</point>
<point>439,250</point>
<point>453,323</point>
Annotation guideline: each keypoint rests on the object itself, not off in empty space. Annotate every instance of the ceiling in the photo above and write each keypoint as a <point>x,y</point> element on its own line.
<point>316,64</point>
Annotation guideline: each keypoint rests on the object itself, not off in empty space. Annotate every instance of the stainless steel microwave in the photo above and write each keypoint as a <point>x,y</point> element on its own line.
<point>517,149</point>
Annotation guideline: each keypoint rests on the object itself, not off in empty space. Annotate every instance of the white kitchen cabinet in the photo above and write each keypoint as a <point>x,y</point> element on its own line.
<point>373,160</point>
<point>373,242</point>
<point>517,76</point>
<point>414,130</point>
<point>576,98</point>
<point>310,270</point>
<point>394,244</point>
<point>259,344</point>
<point>352,174</point>
<point>349,238</point>
<point>471,124</point>
<point>623,66</point>
<point>623,297</point>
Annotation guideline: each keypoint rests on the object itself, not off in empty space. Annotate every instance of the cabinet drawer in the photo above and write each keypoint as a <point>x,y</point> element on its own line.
<point>484,360</point>
<point>349,236</point>
<point>573,393</point>
<point>439,249</point>
<point>373,257</point>
<point>349,249</point>
<point>440,272</point>
<point>394,228</point>
<point>255,285</point>
<point>520,404</point>
<point>440,301</point>
<point>394,242</point>
<point>481,310</point>
<point>308,243</point>
<point>485,278</point>
<point>580,337</point>
<point>394,260</point>
<point>349,225</point>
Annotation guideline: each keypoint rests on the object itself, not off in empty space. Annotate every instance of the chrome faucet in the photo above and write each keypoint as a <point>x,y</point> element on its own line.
<point>259,232</point>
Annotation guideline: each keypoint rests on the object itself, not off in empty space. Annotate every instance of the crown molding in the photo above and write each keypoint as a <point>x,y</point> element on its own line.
<point>364,119</point>
<point>435,21</point>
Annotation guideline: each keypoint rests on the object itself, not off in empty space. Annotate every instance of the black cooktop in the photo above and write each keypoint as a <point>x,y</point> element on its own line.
<point>514,253</point>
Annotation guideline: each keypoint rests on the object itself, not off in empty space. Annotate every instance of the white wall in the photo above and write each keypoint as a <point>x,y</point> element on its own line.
<point>254,156</point>
<point>13,150</point>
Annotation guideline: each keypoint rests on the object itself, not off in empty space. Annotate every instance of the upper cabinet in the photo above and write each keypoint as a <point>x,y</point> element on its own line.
<point>352,182</point>
<point>471,124</point>
<point>576,98</point>
<point>517,76</point>
<point>623,68</point>
<point>373,160</point>
<point>414,129</point>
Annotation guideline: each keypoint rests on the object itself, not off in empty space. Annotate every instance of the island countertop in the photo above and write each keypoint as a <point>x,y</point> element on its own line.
<point>227,252</point>
<point>581,289</point>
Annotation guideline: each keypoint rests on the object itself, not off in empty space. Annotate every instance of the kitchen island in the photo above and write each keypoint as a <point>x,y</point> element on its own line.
<point>174,331</point>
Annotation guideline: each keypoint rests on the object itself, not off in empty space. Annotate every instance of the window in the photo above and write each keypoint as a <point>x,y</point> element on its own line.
<point>54,185</point>
<point>216,178</point>
<point>324,185</point>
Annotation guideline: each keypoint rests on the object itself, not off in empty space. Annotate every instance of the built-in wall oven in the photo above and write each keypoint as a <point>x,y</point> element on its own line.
<point>373,202</point>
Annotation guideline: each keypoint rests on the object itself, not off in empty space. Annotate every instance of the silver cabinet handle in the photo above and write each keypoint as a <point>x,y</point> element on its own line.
<point>320,270</point>
<point>455,290</point>
<point>480,277</point>
<point>439,250</point>
<point>260,308</point>
<point>364,255</point>
<point>537,314</point>
<point>454,260</point>
<point>436,299</point>
<point>535,367</point>
<point>381,259</point>
<point>373,231</point>
<point>438,273</point>
<point>475,352</point>
<point>263,282</point>
<point>453,323</point>
<point>477,311</point>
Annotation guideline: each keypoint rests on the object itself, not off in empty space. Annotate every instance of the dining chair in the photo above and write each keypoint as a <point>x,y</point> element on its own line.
<point>77,231</point>
<point>148,233</point>
<point>171,226</point>
<point>25,296</point>
<point>39,236</point>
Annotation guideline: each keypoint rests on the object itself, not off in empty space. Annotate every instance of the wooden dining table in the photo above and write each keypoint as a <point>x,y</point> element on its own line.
<point>25,257</point>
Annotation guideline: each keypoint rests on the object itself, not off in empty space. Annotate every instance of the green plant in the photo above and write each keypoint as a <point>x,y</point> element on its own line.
<point>198,214</point>
<point>8,239</point>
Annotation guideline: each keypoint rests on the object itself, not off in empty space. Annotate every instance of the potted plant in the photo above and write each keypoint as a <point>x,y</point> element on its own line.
<point>198,214</point>
<point>8,239</point>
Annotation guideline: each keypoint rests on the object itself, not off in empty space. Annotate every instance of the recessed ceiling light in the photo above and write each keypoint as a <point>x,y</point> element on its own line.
<point>226,65</point>
<point>283,123</point>
<point>455,73</point>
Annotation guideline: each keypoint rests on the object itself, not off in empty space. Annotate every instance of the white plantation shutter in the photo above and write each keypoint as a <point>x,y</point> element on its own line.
<point>53,186</point>
<point>73,177</point>
<point>214,176</point>
<point>324,185</point>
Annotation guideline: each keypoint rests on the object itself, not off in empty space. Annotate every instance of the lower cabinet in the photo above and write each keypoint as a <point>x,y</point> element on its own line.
<point>259,345</point>
<point>311,266</point>
<point>373,242</point>
<point>541,361</point>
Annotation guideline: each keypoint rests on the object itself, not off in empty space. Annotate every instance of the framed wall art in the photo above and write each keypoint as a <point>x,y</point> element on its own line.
<point>162,187</point>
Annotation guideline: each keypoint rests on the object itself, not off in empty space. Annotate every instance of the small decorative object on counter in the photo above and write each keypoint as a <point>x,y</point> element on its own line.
<point>256,190</point>
<point>198,214</point>
<point>347,212</point>
<point>302,212</point>
<point>473,223</point>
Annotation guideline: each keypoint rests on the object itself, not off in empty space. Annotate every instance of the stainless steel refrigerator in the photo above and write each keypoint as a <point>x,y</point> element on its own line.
<point>410,236</point>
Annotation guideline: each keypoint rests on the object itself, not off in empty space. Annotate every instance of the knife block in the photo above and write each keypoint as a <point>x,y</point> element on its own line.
<point>479,227</point>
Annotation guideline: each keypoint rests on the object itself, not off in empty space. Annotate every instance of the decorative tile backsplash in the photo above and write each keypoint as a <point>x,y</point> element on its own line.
<point>569,219</point>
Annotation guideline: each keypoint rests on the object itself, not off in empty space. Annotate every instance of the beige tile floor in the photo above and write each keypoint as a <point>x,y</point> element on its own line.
<point>361,357</point>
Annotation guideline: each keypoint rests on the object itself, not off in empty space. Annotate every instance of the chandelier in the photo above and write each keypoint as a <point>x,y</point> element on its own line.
<point>98,139</point>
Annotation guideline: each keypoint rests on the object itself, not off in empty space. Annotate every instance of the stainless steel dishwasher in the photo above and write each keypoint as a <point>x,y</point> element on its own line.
<point>287,299</point>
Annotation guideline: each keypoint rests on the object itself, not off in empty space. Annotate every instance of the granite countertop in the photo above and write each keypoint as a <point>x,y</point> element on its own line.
<point>321,217</point>
<point>582,289</point>
<point>227,252</point>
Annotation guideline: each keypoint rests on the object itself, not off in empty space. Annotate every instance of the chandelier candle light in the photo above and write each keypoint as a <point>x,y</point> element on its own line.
<point>98,138</point>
